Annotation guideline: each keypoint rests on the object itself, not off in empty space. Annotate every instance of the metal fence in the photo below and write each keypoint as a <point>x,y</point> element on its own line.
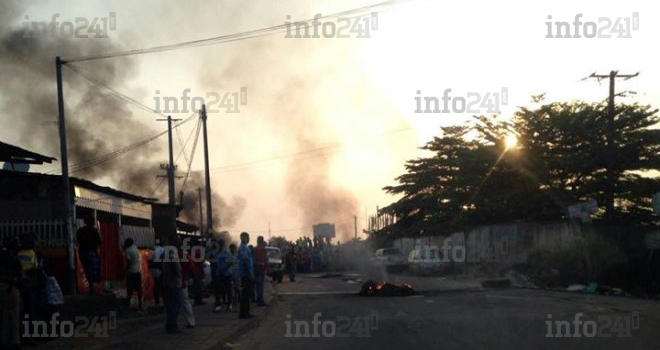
<point>52,233</point>
<point>48,233</point>
<point>143,237</point>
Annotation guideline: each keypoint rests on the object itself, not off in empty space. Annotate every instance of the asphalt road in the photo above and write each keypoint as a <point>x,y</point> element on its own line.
<point>445,318</point>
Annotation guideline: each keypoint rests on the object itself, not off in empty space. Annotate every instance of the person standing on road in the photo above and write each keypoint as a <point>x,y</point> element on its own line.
<point>171,281</point>
<point>226,276</point>
<point>261,259</point>
<point>133,276</point>
<point>222,279</point>
<point>155,267</point>
<point>89,240</point>
<point>187,269</point>
<point>246,272</point>
<point>235,276</point>
<point>197,267</point>
<point>10,296</point>
<point>216,286</point>
<point>253,296</point>
<point>292,260</point>
<point>32,281</point>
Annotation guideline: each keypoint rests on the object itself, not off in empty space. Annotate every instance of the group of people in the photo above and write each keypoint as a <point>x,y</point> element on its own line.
<point>23,294</point>
<point>305,255</point>
<point>172,267</point>
<point>237,272</point>
<point>28,291</point>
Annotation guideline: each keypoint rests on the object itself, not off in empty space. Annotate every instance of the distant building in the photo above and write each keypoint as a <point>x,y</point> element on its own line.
<point>32,203</point>
<point>324,231</point>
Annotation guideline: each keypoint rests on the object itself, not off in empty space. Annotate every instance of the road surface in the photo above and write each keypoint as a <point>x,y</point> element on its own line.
<point>446,318</point>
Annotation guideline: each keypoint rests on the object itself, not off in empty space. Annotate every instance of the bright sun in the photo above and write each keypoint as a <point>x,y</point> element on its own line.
<point>511,141</point>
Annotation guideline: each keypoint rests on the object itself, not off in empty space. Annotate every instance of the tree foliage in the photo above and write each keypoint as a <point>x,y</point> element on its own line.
<point>472,178</point>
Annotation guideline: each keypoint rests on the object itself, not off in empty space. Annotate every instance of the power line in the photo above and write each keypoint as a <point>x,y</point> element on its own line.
<point>247,164</point>
<point>183,144</point>
<point>189,164</point>
<point>236,36</point>
<point>116,93</point>
<point>111,155</point>
<point>192,154</point>
<point>239,166</point>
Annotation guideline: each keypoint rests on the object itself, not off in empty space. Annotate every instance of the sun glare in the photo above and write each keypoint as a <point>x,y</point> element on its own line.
<point>511,141</point>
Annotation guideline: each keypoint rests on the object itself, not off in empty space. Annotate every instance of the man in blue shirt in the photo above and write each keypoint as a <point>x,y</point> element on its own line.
<point>221,265</point>
<point>246,275</point>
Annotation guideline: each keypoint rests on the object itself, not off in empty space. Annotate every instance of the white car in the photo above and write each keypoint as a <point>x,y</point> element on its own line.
<point>389,258</point>
<point>426,260</point>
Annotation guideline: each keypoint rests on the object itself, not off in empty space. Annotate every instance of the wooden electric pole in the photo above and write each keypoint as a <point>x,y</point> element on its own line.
<point>201,213</point>
<point>66,186</point>
<point>611,142</point>
<point>170,177</point>
<point>209,207</point>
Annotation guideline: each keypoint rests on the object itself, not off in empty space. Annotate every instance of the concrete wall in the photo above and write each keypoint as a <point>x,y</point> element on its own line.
<point>494,247</point>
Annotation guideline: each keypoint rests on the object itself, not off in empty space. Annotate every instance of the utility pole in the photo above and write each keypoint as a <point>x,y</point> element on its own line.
<point>269,231</point>
<point>611,140</point>
<point>209,207</point>
<point>377,219</point>
<point>170,177</point>
<point>66,186</point>
<point>355,225</point>
<point>201,212</point>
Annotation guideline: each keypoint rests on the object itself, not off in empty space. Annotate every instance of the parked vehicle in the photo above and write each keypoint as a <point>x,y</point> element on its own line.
<point>275,269</point>
<point>426,260</point>
<point>389,258</point>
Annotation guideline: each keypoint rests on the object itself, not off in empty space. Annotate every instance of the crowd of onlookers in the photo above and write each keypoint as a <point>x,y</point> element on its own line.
<point>237,276</point>
<point>305,255</point>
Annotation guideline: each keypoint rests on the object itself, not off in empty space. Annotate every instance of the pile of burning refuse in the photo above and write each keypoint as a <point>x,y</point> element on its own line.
<point>385,289</point>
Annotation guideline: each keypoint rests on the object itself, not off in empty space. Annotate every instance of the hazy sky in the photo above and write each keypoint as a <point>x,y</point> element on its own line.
<point>338,113</point>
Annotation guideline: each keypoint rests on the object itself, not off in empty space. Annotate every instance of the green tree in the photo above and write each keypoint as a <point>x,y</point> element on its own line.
<point>565,147</point>
<point>472,178</point>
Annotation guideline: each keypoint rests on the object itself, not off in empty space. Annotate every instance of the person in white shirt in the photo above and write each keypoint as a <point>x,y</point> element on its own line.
<point>133,276</point>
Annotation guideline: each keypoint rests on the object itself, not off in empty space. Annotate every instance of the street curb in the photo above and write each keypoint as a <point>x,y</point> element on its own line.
<point>250,325</point>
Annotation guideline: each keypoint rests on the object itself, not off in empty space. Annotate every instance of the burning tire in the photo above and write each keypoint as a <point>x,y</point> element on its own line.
<point>373,288</point>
